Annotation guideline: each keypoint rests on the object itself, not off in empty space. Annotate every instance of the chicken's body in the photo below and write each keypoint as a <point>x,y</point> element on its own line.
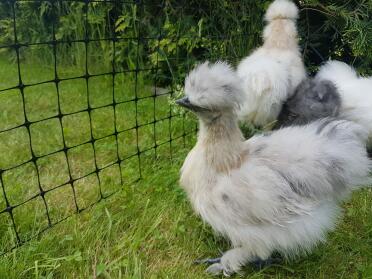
<point>275,192</point>
<point>272,72</point>
<point>278,192</point>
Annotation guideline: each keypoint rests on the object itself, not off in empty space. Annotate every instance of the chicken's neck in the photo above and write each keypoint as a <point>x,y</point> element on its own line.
<point>222,143</point>
<point>281,34</point>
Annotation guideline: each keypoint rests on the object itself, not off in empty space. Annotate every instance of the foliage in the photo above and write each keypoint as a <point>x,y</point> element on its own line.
<point>207,30</point>
<point>146,36</point>
<point>338,29</point>
<point>176,34</point>
<point>171,45</point>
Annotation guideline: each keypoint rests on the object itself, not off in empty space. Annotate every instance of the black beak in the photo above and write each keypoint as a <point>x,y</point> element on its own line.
<point>185,102</point>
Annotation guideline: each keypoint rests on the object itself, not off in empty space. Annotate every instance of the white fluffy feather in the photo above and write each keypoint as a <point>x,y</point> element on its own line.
<point>355,92</point>
<point>336,71</point>
<point>281,9</point>
<point>272,72</point>
<point>276,192</point>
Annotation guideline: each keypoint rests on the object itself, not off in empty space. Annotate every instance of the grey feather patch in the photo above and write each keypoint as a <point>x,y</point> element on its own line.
<point>322,126</point>
<point>329,127</point>
<point>258,150</point>
<point>312,100</point>
<point>335,170</point>
<point>296,186</point>
<point>225,198</point>
<point>228,89</point>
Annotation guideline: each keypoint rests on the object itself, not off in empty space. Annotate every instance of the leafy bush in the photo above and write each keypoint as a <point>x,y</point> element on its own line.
<point>338,29</point>
<point>174,34</point>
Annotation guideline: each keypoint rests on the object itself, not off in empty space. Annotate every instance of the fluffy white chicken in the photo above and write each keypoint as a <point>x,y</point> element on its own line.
<point>276,192</point>
<point>355,92</point>
<point>273,71</point>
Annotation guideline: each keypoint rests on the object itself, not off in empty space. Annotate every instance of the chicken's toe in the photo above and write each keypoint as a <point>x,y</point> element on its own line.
<point>215,269</point>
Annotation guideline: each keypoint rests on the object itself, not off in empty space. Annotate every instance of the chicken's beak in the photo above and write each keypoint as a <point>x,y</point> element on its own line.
<point>184,102</point>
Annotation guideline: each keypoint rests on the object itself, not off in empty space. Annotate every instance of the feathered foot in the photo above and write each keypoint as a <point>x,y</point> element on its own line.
<point>215,267</point>
<point>232,261</point>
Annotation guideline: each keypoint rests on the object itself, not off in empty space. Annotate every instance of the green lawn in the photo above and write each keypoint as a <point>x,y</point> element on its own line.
<point>146,230</point>
<point>149,231</point>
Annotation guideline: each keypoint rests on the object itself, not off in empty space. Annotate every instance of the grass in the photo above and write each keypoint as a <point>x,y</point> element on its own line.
<point>148,229</point>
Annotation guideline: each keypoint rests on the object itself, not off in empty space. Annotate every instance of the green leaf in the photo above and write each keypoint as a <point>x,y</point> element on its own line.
<point>100,269</point>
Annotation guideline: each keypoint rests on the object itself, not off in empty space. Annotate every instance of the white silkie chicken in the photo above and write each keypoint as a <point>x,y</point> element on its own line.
<point>276,192</point>
<point>273,71</point>
<point>355,92</point>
